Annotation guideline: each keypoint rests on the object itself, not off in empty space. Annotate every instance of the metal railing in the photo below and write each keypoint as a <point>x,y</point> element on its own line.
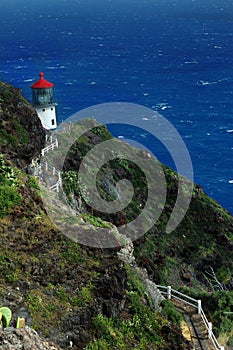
<point>172,293</point>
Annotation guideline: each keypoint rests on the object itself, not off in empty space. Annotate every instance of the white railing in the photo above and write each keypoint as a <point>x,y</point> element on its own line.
<point>54,171</point>
<point>52,145</point>
<point>56,187</point>
<point>49,167</point>
<point>172,293</point>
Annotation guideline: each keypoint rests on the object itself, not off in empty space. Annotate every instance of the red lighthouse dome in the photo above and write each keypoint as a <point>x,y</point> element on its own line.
<point>41,83</point>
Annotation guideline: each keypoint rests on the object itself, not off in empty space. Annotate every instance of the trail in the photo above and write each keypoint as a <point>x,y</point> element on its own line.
<point>199,333</point>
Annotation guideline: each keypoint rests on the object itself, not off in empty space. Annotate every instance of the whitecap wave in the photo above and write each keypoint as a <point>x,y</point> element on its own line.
<point>161,106</point>
<point>191,62</point>
<point>52,67</point>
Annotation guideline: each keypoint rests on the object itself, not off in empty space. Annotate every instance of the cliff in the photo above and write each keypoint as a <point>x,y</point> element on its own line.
<point>89,298</point>
<point>21,134</point>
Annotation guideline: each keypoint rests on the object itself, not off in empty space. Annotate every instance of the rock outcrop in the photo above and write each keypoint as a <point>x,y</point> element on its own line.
<point>21,134</point>
<point>24,339</point>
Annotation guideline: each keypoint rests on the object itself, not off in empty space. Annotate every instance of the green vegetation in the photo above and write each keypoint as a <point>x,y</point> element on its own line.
<point>70,182</point>
<point>72,253</point>
<point>6,95</point>
<point>43,308</point>
<point>23,135</point>
<point>5,316</point>
<point>95,221</point>
<point>83,296</point>
<point>171,313</point>
<point>140,330</point>
<point>33,183</point>
<point>135,284</point>
<point>8,174</point>
<point>8,188</point>
<point>9,198</point>
<point>6,138</point>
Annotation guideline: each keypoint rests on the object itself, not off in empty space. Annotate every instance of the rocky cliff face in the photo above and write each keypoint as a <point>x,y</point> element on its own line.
<point>86,298</point>
<point>21,134</point>
<point>24,339</point>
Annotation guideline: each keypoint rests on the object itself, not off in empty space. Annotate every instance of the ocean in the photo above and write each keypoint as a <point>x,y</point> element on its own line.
<point>174,57</point>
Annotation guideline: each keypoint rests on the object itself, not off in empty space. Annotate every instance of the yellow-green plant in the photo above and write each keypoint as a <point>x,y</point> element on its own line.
<point>20,323</point>
<point>5,316</point>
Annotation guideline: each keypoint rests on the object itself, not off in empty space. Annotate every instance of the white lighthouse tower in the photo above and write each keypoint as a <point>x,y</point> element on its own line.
<point>42,100</point>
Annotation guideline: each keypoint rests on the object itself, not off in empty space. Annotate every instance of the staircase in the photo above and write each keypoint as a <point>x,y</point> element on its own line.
<point>201,330</point>
<point>199,333</point>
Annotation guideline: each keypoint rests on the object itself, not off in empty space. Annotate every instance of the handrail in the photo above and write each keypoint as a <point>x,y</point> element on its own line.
<point>56,186</point>
<point>51,146</point>
<point>175,291</point>
<point>52,168</point>
<point>170,292</point>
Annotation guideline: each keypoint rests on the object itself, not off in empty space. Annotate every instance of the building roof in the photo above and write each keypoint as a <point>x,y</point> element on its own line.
<point>41,83</point>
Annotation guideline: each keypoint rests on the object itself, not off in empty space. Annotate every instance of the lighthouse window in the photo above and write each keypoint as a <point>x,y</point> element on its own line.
<point>43,110</point>
<point>53,122</point>
<point>51,109</point>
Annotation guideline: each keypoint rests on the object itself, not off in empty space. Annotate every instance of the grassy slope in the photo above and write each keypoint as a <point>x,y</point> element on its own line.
<point>55,279</point>
<point>187,257</point>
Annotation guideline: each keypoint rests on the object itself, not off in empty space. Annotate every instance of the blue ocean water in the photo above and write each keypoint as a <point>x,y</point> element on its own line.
<point>172,56</point>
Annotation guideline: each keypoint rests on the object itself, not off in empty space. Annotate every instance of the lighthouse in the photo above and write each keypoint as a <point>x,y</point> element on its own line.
<point>42,100</point>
